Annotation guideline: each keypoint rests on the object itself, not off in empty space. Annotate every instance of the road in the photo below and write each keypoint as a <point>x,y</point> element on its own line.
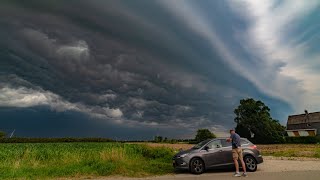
<point>269,170</point>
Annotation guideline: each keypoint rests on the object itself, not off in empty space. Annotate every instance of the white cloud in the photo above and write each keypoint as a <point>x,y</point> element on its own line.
<point>140,103</point>
<point>77,50</point>
<point>267,39</point>
<point>269,23</point>
<point>28,97</point>
<point>182,108</point>
<point>108,97</point>
<point>138,114</point>
<point>115,113</point>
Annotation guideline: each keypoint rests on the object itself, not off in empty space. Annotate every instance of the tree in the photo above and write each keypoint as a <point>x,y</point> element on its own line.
<point>2,134</point>
<point>255,123</point>
<point>158,139</point>
<point>203,134</point>
<point>165,139</point>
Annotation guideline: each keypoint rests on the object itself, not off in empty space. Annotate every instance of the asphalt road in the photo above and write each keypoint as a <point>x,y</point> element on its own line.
<point>298,175</point>
<point>269,170</point>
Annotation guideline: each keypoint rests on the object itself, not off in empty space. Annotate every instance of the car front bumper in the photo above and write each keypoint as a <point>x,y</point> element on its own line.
<point>180,163</point>
<point>259,159</point>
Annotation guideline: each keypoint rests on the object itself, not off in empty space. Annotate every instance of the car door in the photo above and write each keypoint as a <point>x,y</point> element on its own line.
<point>226,152</point>
<point>212,156</point>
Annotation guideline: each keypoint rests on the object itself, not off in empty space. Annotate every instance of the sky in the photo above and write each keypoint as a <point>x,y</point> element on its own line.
<point>131,70</point>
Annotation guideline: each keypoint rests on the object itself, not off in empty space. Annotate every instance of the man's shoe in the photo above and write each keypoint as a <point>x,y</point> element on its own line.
<point>245,175</point>
<point>237,175</point>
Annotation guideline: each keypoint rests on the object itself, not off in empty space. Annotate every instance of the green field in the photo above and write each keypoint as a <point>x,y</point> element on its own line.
<point>52,160</point>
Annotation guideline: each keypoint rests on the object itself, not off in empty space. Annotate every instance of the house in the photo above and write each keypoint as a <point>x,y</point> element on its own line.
<point>307,124</point>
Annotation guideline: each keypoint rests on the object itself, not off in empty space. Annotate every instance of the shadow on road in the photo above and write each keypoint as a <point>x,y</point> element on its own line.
<point>216,170</point>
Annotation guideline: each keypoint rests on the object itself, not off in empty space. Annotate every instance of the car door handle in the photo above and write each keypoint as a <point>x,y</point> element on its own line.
<point>220,151</point>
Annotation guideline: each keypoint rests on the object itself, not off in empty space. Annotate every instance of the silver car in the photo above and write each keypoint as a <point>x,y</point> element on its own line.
<point>214,153</point>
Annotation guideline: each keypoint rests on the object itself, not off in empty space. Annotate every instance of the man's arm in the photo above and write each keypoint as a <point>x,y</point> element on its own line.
<point>229,139</point>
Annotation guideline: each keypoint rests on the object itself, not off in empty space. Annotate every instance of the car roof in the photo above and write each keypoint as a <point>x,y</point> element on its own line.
<point>228,137</point>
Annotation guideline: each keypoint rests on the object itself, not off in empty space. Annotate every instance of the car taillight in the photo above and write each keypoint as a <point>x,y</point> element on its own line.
<point>254,147</point>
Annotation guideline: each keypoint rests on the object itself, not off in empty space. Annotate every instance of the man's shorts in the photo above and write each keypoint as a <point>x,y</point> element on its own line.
<point>237,153</point>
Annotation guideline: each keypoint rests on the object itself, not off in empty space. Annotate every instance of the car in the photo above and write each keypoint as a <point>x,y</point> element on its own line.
<point>214,153</point>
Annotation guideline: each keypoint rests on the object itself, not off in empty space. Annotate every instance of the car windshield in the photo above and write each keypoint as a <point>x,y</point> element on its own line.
<point>200,144</point>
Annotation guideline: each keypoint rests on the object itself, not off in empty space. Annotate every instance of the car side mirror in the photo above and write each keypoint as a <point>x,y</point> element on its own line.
<point>218,146</point>
<point>206,148</point>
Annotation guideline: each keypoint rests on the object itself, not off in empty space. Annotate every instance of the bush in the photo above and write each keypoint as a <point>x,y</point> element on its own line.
<point>303,140</point>
<point>2,134</point>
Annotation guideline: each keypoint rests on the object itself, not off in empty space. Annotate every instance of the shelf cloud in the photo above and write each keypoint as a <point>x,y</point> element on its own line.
<point>134,69</point>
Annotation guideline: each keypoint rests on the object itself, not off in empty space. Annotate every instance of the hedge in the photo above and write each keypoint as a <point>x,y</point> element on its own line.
<point>303,140</point>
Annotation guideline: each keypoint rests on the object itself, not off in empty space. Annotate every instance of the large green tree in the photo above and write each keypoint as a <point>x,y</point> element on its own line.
<point>204,134</point>
<point>255,123</point>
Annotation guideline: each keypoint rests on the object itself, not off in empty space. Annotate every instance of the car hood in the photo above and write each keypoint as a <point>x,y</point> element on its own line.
<point>185,151</point>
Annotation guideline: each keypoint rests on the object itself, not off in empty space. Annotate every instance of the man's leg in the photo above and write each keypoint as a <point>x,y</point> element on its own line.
<point>236,164</point>
<point>243,165</point>
<point>235,157</point>
<point>240,153</point>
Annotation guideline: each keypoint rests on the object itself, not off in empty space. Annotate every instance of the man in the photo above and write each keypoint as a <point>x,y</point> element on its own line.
<point>237,153</point>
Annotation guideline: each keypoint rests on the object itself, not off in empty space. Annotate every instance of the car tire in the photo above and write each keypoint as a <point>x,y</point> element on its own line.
<point>197,166</point>
<point>251,163</point>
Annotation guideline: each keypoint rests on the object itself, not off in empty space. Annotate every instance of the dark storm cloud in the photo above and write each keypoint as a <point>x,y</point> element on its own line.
<point>130,63</point>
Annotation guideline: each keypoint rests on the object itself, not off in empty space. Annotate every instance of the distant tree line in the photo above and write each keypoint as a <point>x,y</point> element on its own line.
<point>161,139</point>
<point>52,140</point>
<point>202,134</point>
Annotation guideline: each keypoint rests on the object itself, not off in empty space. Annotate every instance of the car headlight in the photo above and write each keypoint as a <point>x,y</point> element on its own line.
<point>184,155</point>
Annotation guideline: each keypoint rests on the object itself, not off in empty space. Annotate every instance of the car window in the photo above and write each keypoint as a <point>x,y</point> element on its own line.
<point>199,145</point>
<point>225,143</point>
<point>214,144</point>
<point>243,141</point>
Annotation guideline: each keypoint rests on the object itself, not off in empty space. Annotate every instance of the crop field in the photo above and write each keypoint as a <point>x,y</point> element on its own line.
<point>291,150</point>
<point>279,150</point>
<point>53,160</point>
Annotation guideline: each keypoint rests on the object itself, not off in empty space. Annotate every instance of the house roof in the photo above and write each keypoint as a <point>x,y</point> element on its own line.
<point>302,118</point>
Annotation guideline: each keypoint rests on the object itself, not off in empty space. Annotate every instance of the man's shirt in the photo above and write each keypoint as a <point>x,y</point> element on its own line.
<point>235,140</point>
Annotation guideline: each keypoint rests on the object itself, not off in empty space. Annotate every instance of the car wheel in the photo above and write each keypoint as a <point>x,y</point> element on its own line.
<point>251,163</point>
<point>197,166</point>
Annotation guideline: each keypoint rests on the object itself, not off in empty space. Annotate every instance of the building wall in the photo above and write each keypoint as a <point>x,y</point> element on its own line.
<point>298,119</point>
<point>298,133</point>
<point>304,126</point>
